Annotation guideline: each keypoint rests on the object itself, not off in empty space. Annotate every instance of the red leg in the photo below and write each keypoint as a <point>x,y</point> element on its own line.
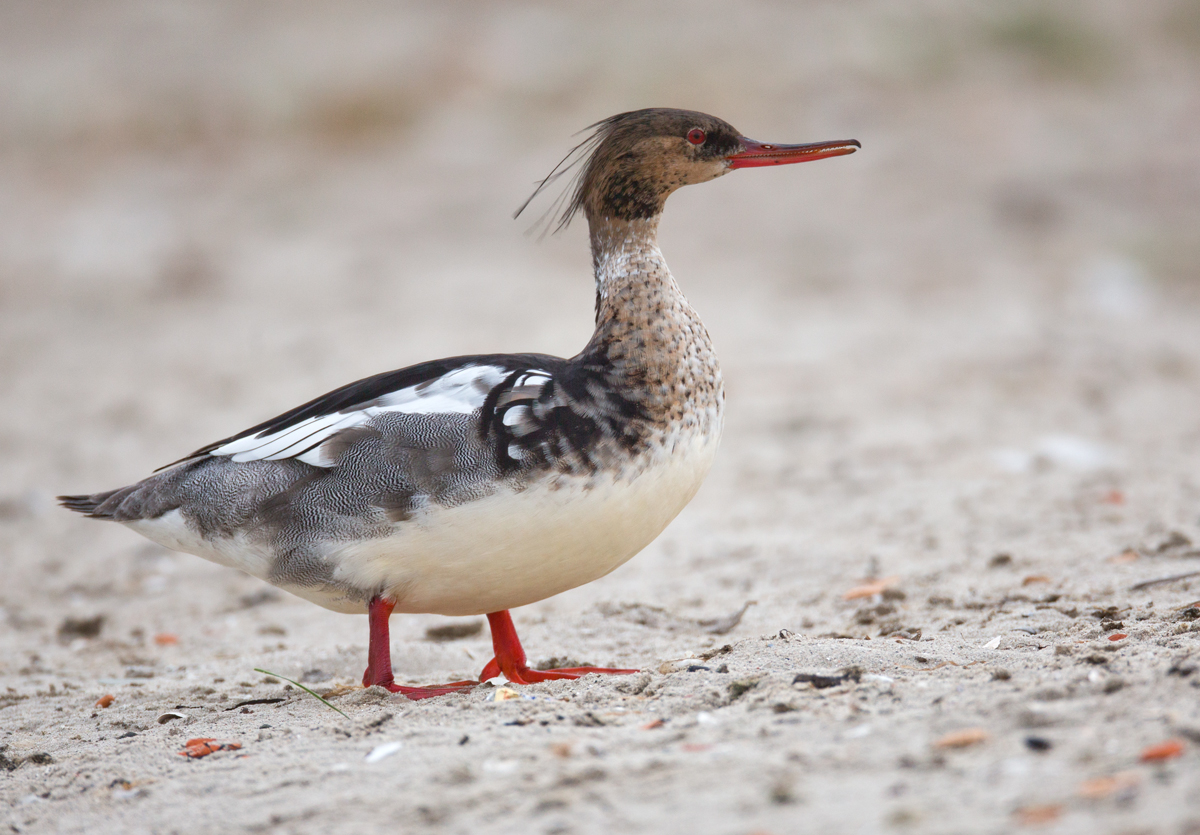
<point>510,657</point>
<point>379,651</point>
<point>379,658</point>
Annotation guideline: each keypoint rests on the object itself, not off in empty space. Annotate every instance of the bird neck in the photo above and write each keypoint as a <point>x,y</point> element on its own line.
<point>649,343</point>
<point>630,270</point>
<point>644,325</point>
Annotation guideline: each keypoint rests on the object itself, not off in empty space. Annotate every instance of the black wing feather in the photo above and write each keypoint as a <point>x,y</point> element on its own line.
<point>364,392</point>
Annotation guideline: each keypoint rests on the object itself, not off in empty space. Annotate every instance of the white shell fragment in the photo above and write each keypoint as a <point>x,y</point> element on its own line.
<point>383,751</point>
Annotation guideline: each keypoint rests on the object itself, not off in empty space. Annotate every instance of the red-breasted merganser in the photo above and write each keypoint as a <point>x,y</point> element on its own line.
<point>476,484</point>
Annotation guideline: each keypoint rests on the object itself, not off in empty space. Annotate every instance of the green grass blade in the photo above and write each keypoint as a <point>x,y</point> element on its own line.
<point>302,687</point>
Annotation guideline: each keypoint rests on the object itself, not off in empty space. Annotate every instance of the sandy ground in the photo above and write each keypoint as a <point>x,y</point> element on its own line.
<point>963,364</point>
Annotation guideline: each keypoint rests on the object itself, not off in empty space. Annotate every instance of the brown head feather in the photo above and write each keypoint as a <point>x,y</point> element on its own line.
<point>631,162</point>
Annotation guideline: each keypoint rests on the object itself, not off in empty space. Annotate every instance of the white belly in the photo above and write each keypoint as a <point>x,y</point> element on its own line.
<point>515,548</point>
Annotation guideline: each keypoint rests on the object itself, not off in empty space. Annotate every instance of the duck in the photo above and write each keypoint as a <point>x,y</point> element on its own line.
<point>475,485</point>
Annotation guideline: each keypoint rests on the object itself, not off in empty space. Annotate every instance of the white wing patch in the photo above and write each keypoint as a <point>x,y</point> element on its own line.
<point>526,387</point>
<point>459,392</point>
<point>520,406</point>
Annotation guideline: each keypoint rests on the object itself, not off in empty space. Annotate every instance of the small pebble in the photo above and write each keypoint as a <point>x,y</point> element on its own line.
<point>1038,743</point>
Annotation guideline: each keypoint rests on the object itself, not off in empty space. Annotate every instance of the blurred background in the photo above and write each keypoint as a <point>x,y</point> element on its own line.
<point>966,358</point>
<point>212,211</point>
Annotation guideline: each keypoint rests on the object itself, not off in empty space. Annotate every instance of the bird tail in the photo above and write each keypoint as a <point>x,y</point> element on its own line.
<point>92,506</point>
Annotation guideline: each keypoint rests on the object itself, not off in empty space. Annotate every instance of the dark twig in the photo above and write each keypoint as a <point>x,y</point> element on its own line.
<point>255,702</point>
<point>1145,584</point>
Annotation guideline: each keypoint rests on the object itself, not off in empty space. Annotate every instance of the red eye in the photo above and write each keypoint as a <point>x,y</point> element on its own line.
<point>696,136</point>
